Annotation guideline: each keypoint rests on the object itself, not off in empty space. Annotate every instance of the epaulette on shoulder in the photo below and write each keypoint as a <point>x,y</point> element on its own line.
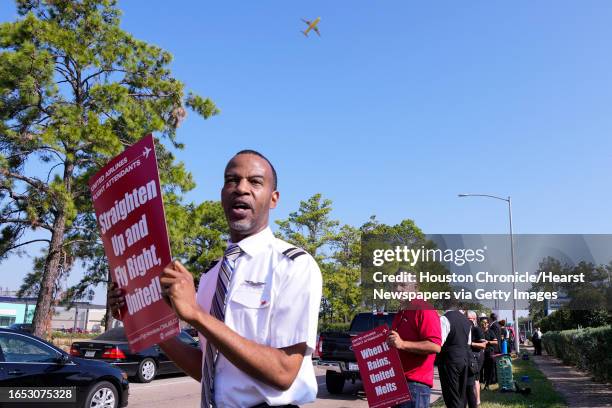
<point>294,252</point>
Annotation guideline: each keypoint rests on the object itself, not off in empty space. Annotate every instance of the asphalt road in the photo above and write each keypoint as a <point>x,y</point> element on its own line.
<point>182,391</point>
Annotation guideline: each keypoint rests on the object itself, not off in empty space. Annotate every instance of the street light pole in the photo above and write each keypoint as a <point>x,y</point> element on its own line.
<point>517,329</point>
<point>509,201</point>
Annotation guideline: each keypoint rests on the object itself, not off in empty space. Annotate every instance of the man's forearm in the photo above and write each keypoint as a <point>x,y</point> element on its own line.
<point>186,357</point>
<point>420,347</point>
<point>275,367</point>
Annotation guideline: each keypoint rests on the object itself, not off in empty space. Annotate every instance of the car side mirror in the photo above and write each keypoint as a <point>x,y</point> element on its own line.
<point>63,359</point>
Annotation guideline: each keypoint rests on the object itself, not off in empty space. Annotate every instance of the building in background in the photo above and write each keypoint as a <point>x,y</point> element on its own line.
<point>14,309</point>
<point>82,315</point>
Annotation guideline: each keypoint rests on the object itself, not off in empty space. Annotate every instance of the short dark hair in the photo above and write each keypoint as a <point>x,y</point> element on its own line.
<point>493,316</point>
<point>256,153</point>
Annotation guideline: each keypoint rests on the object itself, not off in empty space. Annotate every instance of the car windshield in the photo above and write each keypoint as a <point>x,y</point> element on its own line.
<point>21,349</point>
<point>116,334</point>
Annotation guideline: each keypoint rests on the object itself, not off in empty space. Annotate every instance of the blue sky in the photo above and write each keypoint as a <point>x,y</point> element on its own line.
<point>399,106</point>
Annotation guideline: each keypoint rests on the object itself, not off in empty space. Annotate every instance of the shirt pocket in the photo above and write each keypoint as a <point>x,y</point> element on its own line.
<point>250,309</point>
<point>252,295</point>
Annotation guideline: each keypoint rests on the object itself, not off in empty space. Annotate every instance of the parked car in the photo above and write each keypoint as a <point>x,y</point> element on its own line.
<point>22,327</point>
<point>28,361</point>
<point>316,354</point>
<point>112,347</point>
<point>336,353</point>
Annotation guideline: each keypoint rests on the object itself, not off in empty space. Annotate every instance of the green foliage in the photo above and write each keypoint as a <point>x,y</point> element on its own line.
<point>380,236</point>
<point>341,277</point>
<point>566,319</point>
<point>75,89</point>
<point>56,334</point>
<point>548,264</point>
<point>339,254</point>
<point>589,300</point>
<point>310,227</point>
<point>204,233</point>
<point>589,349</point>
<point>325,326</point>
<point>589,303</point>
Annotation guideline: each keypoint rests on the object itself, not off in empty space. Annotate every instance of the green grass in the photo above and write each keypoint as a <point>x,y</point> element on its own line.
<point>542,394</point>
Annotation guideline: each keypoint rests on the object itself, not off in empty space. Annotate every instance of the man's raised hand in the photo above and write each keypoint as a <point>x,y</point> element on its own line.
<point>178,287</point>
<point>116,301</point>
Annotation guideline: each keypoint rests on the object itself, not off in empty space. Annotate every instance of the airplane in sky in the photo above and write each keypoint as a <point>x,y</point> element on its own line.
<point>312,26</point>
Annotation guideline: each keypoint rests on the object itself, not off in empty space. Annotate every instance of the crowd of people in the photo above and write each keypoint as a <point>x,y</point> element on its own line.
<point>463,345</point>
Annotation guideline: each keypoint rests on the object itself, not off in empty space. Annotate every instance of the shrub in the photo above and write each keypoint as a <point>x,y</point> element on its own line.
<point>327,327</point>
<point>56,334</point>
<point>565,319</point>
<point>589,349</point>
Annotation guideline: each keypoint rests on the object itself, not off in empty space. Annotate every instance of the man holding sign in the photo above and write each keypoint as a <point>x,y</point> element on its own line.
<point>416,334</point>
<point>256,310</point>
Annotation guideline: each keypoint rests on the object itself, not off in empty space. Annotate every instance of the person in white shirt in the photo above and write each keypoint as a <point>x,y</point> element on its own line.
<point>256,310</point>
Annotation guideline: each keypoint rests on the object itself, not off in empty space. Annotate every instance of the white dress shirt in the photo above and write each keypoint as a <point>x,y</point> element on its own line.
<point>273,301</point>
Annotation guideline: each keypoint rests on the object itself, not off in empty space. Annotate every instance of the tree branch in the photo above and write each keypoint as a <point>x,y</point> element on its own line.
<point>101,72</point>
<point>51,169</point>
<point>25,222</point>
<point>23,244</point>
<point>84,229</point>
<point>75,241</point>
<point>55,151</point>
<point>31,181</point>
<point>29,152</point>
<point>151,95</point>
<point>13,195</point>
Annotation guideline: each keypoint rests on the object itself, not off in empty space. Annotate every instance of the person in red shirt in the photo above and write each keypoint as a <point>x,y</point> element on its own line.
<point>416,334</point>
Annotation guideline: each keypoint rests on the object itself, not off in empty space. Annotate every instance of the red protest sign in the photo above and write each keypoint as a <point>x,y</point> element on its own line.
<point>380,369</point>
<point>130,212</point>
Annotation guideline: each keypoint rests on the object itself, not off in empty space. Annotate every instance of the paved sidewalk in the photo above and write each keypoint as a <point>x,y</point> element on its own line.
<point>574,385</point>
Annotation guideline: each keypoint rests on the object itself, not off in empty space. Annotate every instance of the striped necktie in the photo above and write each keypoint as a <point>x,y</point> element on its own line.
<point>217,309</point>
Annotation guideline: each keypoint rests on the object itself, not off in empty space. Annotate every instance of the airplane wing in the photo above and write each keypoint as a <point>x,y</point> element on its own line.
<point>316,30</point>
<point>306,21</point>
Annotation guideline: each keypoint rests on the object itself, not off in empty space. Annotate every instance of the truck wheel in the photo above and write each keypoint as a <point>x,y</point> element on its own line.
<point>334,382</point>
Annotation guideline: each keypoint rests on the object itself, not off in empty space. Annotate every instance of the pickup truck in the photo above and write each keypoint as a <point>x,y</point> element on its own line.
<point>336,353</point>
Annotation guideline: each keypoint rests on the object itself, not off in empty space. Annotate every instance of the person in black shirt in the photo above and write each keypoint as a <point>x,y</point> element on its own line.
<point>453,360</point>
<point>537,342</point>
<point>478,344</point>
<point>495,328</point>
<point>488,369</point>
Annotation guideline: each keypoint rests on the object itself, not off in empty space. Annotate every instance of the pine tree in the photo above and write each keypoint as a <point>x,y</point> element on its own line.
<point>75,90</point>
